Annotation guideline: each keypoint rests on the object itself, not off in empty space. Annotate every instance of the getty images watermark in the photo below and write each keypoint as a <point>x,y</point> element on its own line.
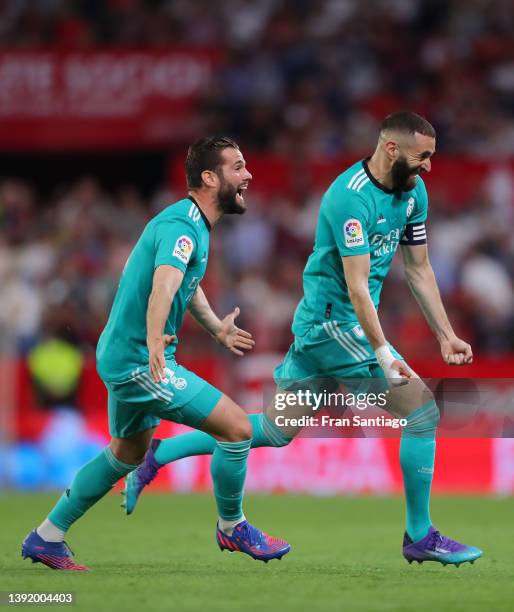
<point>324,408</point>
<point>305,398</point>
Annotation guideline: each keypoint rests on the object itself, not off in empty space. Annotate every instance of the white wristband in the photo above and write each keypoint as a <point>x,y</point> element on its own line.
<point>384,356</point>
<point>385,360</point>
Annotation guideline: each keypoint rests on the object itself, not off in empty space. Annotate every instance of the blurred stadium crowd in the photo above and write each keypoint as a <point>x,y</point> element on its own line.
<point>60,262</point>
<point>310,77</point>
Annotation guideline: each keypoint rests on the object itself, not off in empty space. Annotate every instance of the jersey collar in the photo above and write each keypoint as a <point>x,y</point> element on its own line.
<point>205,220</point>
<point>379,185</point>
<point>373,179</point>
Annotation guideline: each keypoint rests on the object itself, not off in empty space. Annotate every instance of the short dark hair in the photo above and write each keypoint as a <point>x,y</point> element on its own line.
<point>406,122</point>
<point>205,154</point>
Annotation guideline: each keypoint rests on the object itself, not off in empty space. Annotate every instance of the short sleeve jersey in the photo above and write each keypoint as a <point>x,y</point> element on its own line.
<point>178,237</point>
<point>357,216</point>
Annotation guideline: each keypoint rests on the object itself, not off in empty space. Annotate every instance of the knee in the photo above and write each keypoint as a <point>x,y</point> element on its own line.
<point>432,412</point>
<point>129,454</point>
<point>424,420</point>
<point>239,430</point>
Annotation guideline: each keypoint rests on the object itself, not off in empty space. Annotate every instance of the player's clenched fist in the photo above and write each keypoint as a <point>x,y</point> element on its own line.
<point>456,352</point>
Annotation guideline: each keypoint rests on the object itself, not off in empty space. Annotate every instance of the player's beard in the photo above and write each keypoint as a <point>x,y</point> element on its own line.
<point>230,201</point>
<point>403,176</point>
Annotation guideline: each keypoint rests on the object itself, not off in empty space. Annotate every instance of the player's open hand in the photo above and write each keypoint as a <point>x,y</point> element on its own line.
<point>157,362</point>
<point>232,337</point>
<point>456,352</point>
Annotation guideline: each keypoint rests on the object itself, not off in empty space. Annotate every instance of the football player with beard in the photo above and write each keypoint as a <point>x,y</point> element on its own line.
<point>136,361</point>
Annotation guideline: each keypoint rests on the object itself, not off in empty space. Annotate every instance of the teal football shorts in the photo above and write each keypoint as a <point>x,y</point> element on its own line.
<point>139,403</point>
<point>330,352</point>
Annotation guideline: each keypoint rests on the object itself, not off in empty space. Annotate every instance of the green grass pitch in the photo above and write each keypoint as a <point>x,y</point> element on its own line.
<point>346,556</point>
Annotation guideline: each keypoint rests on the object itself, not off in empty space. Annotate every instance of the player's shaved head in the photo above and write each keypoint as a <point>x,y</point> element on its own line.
<point>407,124</point>
<point>206,154</point>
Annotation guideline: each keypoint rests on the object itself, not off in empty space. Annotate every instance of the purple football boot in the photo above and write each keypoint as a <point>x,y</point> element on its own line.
<point>137,480</point>
<point>56,555</point>
<point>252,541</point>
<point>436,547</point>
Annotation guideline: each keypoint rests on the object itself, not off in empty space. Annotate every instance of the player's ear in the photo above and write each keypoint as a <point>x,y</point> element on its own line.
<point>392,149</point>
<point>210,179</point>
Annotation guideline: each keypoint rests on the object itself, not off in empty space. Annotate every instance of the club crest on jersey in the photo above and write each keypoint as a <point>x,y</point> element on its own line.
<point>353,235</point>
<point>183,249</point>
<point>410,207</point>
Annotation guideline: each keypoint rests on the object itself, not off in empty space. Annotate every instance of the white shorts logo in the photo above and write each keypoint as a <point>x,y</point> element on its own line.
<point>183,249</point>
<point>353,234</point>
<point>171,379</point>
<point>179,383</point>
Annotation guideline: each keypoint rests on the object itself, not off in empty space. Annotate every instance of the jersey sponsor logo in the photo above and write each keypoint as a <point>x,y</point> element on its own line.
<point>170,379</point>
<point>384,244</point>
<point>183,249</point>
<point>410,206</point>
<point>379,239</point>
<point>353,235</point>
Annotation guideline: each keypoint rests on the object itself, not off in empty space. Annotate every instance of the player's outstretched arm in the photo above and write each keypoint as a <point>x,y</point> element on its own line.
<point>356,272</point>
<point>422,282</point>
<point>223,331</point>
<point>166,281</point>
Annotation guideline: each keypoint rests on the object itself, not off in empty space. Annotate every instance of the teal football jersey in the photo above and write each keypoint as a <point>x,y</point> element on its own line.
<point>179,237</point>
<point>357,216</point>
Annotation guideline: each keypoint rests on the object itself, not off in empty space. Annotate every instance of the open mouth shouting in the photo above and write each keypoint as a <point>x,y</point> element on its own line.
<point>240,193</point>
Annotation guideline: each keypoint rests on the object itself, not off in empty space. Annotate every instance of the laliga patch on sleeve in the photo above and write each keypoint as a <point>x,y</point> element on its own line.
<point>353,234</point>
<point>183,249</point>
